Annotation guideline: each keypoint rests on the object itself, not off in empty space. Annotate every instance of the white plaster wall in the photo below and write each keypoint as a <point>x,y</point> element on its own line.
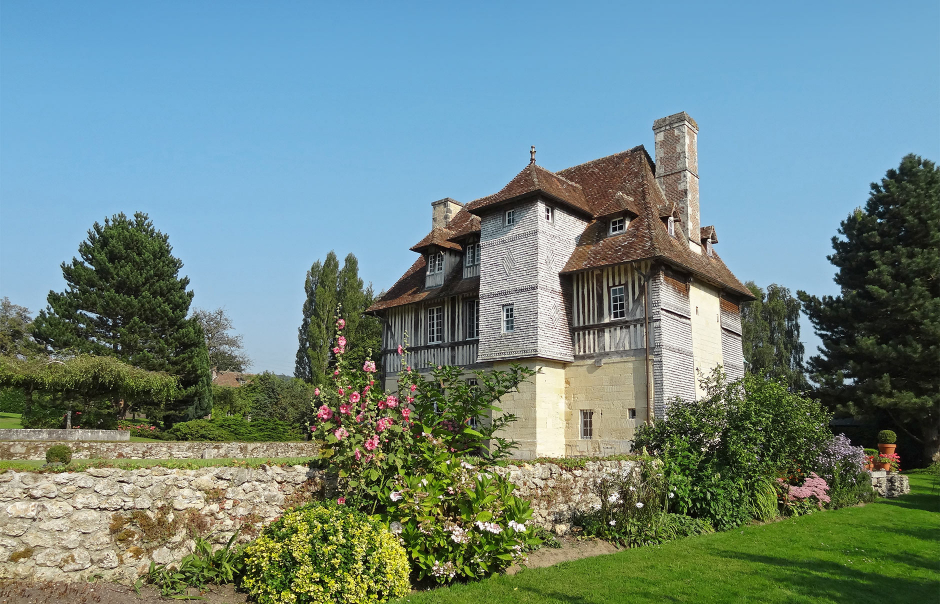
<point>706,331</point>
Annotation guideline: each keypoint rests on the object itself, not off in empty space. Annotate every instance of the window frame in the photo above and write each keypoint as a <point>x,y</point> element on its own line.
<point>437,323</point>
<point>475,323</point>
<point>671,226</point>
<point>472,254</point>
<point>623,225</point>
<point>623,302</point>
<point>435,263</point>
<point>510,217</point>
<point>548,214</point>
<point>586,424</point>
<point>509,318</point>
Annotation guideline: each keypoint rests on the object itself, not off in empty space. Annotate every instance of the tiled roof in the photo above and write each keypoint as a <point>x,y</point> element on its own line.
<point>233,379</point>
<point>535,179</point>
<point>410,288</point>
<point>463,224</point>
<point>708,233</point>
<point>438,237</point>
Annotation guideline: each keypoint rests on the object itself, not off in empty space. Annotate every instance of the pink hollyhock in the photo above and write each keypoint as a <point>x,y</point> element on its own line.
<point>392,401</point>
<point>316,392</point>
<point>358,455</point>
<point>335,350</point>
<point>372,443</point>
<point>341,392</point>
<point>336,372</point>
<point>341,324</point>
<point>341,500</point>
<point>411,400</point>
<point>354,397</point>
<point>340,433</point>
<point>369,367</point>
<point>359,418</point>
<point>413,387</point>
<point>409,369</point>
<point>345,409</point>
<point>325,412</point>
<point>400,349</point>
<point>383,403</point>
<point>383,424</point>
<point>406,412</point>
<point>341,341</point>
<point>371,382</point>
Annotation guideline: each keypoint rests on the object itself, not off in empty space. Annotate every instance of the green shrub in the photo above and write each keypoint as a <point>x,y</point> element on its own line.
<point>227,429</point>
<point>199,568</point>
<point>720,450</point>
<point>200,430</point>
<point>59,454</point>
<point>887,437</point>
<point>322,553</point>
<point>871,452</point>
<point>845,493</point>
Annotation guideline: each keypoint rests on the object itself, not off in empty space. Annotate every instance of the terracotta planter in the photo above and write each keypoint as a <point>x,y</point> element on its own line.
<point>886,449</point>
<point>884,466</point>
<point>870,467</point>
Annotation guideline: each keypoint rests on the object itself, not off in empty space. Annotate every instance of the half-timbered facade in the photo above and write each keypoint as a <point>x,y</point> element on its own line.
<point>598,276</point>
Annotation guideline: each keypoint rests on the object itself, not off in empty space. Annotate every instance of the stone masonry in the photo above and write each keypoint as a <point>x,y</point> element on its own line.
<point>161,450</point>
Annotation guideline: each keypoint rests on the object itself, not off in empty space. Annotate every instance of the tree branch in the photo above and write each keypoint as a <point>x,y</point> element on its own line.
<point>901,426</point>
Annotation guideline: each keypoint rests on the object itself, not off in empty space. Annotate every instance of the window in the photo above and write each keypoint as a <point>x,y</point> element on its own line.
<point>587,424</point>
<point>435,324</point>
<point>632,413</point>
<point>435,263</point>
<point>472,255</point>
<point>549,214</point>
<point>509,318</point>
<point>473,319</point>
<point>671,226</point>
<point>510,217</point>
<point>474,421</point>
<point>618,225</point>
<point>617,303</point>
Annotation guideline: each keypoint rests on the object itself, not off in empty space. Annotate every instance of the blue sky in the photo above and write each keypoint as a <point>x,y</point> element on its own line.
<point>259,136</point>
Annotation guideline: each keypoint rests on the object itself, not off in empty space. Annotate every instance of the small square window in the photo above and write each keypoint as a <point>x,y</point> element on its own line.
<point>510,217</point>
<point>587,424</point>
<point>509,318</point>
<point>473,254</point>
<point>549,214</point>
<point>617,303</point>
<point>618,225</point>
<point>435,324</point>
<point>632,413</point>
<point>435,263</point>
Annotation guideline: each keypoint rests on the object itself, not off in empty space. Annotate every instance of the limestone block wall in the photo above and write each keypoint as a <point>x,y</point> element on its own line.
<point>611,391</point>
<point>52,435</point>
<point>160,450</point>
<point>706,331</point>
<point>111,523</point>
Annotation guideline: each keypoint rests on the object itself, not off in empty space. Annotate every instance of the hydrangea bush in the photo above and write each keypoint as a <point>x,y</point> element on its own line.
<point>325,553</point>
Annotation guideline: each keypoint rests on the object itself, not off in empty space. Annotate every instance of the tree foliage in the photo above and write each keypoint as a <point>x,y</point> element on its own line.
<point>330,288</point>
<point>881,334</point>
<point>771,336</point>
<point>226,352</point>
<point>16,330</point>
<point>124,299</point>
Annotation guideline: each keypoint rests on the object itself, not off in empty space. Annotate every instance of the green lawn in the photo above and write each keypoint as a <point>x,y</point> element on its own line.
<point>10,421</point>
<point>888,551</point>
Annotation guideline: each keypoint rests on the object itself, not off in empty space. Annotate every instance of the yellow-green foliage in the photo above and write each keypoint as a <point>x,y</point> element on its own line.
<point>325,553</point>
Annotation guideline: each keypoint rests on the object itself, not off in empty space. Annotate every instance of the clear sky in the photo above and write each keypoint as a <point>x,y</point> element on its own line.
<point>261,135</point>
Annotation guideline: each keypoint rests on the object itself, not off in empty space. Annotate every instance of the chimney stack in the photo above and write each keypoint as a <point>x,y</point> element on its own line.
<point>677,169</point>
<point>443,211</point>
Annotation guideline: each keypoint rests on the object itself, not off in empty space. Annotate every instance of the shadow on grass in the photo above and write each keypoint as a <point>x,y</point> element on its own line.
<point>841,582</point>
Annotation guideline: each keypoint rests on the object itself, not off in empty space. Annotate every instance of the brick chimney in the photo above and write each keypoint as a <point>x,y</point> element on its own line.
<point>443,211</point>
<point>677,169</point>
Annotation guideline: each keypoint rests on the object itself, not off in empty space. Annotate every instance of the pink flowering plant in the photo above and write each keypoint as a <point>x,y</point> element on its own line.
<point>805,498</point>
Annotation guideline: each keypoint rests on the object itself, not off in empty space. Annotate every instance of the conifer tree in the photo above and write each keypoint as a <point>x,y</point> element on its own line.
<point>125,299</point>
<point>302,362</point>
<point>881,334</point>
<point>771,336</point>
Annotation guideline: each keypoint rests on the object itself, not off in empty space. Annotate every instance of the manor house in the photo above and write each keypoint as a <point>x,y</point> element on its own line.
<point>598,276</point>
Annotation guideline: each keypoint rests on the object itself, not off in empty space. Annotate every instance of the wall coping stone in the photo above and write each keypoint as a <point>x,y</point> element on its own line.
<point>27,434</point>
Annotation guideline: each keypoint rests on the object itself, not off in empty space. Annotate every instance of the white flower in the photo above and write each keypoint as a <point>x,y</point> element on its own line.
<point>633,488</point>
<point>639,504</point>
<point>516,526</point>
<point>465,465</point>
<point>424,481</point>
<point>490,527</point>
<point>614,498</point>
<point>671,495</point>
<point>395,496</point>
<point>396,527</point>
<point>613,523</point>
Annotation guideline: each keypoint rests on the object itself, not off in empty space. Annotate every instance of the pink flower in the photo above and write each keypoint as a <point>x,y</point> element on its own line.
<point>359,418</point>
<point>400,349</point>
<point>340,433</point>
<point>369,367</point>
<point>341,324</point>
<point>411,400</point>
<point>372,443</point>
<point>354,397</point>
<point>341,500</point>
<point>335,350</point>
<point>316,392</point>
<point>325,412</point>
<point>383,403</point>
<point>413,387</point>
<point>345,409</point>
<point>358,455</point>
<point>392,401</point>
<point>406,412</point>
<point>383,424</point>
<point>341,341</point>
<point>371,382</point>
<point>336,372</point>
<point>409,368</point>
<point>341,392</point>
<point>438,366</point>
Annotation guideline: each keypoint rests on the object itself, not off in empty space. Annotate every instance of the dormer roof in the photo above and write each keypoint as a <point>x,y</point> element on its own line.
<point>438,237</point>
<point>531,181</point>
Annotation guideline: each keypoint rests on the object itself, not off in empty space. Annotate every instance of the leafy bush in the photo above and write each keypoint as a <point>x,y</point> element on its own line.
<point>323,553</point>
<point>139,428</point>
<point>59,454</point>
<point>887,437</point>
<point>12,400</point>
<point>845,493</point>
<point>720,450</point>
<point>200,430</point>
<point>227,429</point>
<point>457,523</point>
<point>199,568</point>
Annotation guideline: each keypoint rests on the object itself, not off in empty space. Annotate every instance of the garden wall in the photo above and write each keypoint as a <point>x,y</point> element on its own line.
<point>160,450</point>
<point>111,523</point>
<point>69,435</point>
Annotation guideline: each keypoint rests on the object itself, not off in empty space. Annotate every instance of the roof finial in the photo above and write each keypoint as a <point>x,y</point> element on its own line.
<point>532,155</point>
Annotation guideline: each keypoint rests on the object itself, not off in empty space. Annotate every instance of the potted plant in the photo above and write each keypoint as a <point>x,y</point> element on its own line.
<point>890,462</point>
<point>886,442</point>
<point>870,455</point>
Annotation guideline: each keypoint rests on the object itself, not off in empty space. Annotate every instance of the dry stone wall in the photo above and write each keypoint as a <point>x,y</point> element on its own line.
<point>111,523</point>
<point>161,450</point>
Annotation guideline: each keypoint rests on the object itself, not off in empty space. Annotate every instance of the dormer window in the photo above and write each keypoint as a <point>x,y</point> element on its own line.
<point>510,217</point>
<point>436,263</point>
<point>617,226</point>
<point>709,250</point>
<point>548,214</point>
<point>671,226</point>
<point>472,255</point>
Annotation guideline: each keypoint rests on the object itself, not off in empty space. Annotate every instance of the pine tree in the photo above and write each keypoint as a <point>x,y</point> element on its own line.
<point>125,299</point>
<point>881,335</point>
<point>771,336</point>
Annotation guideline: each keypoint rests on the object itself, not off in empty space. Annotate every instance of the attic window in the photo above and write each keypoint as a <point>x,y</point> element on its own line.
<point>473,254</point>
<point>618,225</point>
<point>671,226</point>
<point>709,250</point>
<point>510,217</point>
<point>549,214</point>
<point>435,263</point>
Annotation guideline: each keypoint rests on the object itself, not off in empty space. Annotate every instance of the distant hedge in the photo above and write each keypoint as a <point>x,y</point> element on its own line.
<point>235,429</point>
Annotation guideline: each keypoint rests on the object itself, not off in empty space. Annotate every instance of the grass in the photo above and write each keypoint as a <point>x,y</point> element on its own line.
<point>11,421</point>
<point>886,551</point>
<point>78,465</point>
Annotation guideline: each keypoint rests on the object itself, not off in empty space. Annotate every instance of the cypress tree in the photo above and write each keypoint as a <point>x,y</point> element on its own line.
<point>323,319</point>
<point>302,362</point>
<point>771,336</point>
<point>125,299</point>
<point>881,335</point>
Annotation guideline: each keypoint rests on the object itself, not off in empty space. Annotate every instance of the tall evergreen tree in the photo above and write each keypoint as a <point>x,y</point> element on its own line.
<point>322,319</point>
<point>881,335</point>
<point>363,331</point>
<point>771,336</point>
<point>302,362</point>
<point>125,299</point>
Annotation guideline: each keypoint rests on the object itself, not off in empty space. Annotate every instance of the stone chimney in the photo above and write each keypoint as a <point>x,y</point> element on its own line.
<point>677,169</point>
<point>443,211</point>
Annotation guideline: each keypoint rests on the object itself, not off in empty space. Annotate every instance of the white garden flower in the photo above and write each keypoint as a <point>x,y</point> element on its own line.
<point>613,523</point>
<point>614,498</point>
<point>396,527</point>
<point>639,504</point>
<point>671,495</point>
<point>517,526</point>
<point>395,496</point>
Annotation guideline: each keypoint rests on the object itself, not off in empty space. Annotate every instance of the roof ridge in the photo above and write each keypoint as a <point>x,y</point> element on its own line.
<point>559,176</point>
<point>624,152</point>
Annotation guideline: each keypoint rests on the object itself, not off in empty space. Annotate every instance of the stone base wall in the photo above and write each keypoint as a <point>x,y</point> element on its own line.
<point>890,484</point>
<point>111,523</point>
<point>56,435</point>
<point>160,450</point>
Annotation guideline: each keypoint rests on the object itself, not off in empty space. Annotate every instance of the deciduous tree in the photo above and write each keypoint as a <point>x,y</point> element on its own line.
<point>771,336</point>
<point>226,352</point>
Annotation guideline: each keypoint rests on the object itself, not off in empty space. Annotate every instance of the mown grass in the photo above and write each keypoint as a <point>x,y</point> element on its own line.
<point>888,551</point>
<point>78,465</point>
<point>11,421</point>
